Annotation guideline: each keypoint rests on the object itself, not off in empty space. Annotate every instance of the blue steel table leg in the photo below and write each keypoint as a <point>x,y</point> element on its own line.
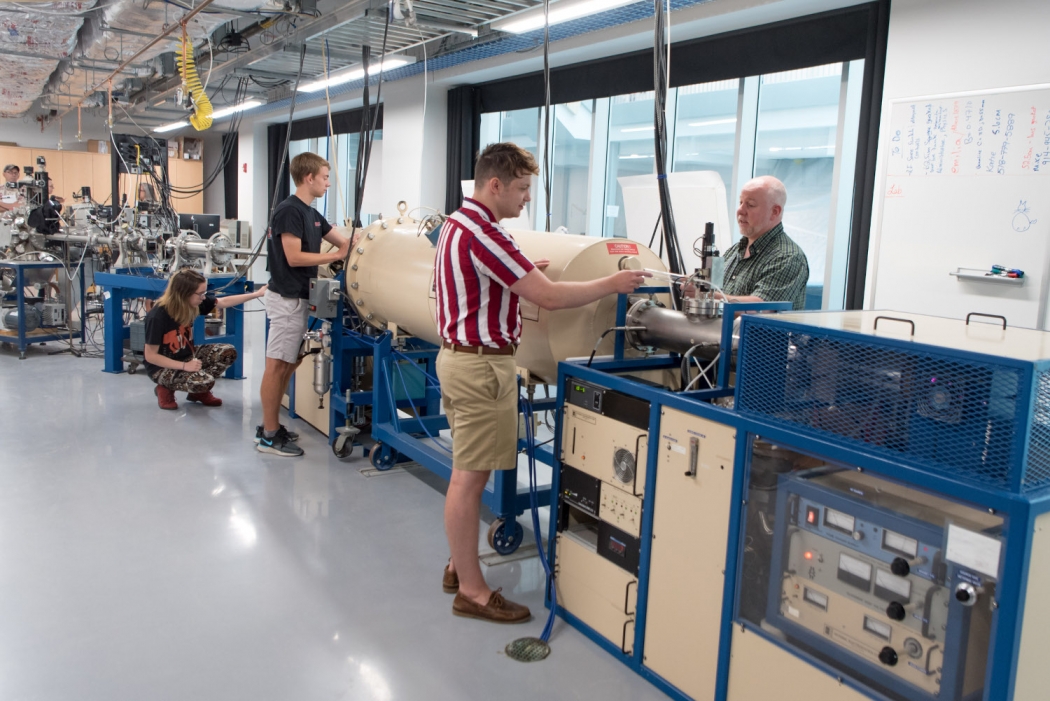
<point>21,282</point>
<point>235,328</point>
<point>113,330</point>
<point>83,308</point>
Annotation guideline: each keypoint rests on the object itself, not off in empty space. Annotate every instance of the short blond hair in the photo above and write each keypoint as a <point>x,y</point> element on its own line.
<point>305,165</point>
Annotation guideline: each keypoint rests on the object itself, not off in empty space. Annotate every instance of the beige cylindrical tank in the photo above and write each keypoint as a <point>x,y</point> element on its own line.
<point>390,280</point>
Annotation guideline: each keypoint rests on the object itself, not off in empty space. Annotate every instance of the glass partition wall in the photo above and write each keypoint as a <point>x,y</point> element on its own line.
<point>800,126</point>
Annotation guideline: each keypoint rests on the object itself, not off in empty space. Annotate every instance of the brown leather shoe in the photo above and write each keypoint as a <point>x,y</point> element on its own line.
<point>497,610</point>
<point>450,582</point>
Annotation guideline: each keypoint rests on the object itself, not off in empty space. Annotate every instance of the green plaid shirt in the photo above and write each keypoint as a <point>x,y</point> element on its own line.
<point>776,270</point>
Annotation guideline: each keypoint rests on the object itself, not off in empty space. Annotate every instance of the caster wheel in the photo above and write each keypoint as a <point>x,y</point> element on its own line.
<point>382,457</point>
<point>342,448</point>
<point>503,539</point>
<point>21,356</point>
<point>132,370</point>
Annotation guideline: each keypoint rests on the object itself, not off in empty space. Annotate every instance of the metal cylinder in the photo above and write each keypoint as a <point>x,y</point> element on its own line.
<point>390,280</point>
<point>322,373</point>
<point>674,331</point>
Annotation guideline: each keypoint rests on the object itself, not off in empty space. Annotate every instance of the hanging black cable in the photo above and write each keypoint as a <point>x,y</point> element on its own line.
<point>675,262</point>
<point>369,120</point>
<point>548,176</point>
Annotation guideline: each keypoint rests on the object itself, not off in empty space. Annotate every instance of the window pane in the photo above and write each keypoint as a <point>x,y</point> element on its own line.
<point>520,127</point>
<point>572,124</point>
<point>795,142</point>
<point>705,131</point>
<point>631,152</point>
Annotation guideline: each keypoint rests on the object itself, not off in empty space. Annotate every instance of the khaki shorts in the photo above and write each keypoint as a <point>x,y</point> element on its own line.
<point>288,320</point>
<point>480,394</point>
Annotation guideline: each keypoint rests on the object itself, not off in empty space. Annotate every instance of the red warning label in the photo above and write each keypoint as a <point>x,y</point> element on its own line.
<point>622,249</point>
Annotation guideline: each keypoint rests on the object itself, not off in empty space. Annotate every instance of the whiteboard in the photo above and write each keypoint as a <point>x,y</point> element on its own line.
<point>697,196</point>
<point>966,185</point>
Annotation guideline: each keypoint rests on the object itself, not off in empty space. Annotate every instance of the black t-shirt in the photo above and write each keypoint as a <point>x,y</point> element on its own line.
<point>175,340</point>
<point>295,217</point>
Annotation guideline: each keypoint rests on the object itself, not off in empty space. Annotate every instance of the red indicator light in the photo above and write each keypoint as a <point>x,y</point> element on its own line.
<point>811,515</point>
<point>808,556</point>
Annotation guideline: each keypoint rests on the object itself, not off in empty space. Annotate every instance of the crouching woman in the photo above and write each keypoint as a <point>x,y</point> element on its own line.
<point>172,360</point>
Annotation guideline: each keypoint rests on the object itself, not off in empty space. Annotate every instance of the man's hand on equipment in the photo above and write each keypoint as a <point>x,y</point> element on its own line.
<point>627,281</point>
<point>542,263</point>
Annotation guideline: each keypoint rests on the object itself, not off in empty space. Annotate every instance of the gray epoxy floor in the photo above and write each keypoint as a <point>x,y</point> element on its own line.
<point>155,555</point>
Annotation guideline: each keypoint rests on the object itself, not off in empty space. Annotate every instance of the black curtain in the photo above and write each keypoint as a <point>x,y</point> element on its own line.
<point>346,122</point>
<point>829,37</point>
<point>230,143</point>
<point>275,136</point>
<point>464,140</point>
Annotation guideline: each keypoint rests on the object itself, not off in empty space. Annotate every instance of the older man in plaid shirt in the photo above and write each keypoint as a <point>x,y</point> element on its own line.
<point>765,265</point>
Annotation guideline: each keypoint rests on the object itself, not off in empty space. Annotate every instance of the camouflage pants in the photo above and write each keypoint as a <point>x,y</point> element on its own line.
<point>215,359</point>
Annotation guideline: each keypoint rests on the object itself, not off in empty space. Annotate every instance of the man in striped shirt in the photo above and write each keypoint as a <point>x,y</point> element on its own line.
<point>480,273</point>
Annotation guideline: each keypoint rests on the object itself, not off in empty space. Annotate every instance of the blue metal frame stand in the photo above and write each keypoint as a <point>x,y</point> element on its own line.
<point>24,339</point>
<point>404,378</point>
<point>142,283</point>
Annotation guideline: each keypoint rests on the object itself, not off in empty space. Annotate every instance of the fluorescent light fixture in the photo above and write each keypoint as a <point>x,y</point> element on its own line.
<point>217,114</point>
<point>630,129</point>
<point>171,127</point>
<point>712,122</point>
<point>233,109</point>
<point>357,73</point>
<point>559,12</point>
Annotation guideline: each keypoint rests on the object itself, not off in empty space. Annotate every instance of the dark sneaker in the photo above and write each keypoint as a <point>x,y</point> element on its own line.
<point>450,582</point>
<point>291,435</point>
<point>279,445</point>
<point>497,610</point>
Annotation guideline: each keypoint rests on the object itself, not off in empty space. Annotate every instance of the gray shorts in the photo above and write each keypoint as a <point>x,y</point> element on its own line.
<point>288,322</point>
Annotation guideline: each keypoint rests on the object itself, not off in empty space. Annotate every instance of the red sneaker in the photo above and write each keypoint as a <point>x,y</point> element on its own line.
<point>205,398</point>
<point>165,397</point>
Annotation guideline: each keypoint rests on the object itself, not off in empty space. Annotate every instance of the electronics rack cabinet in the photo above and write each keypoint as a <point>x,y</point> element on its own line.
<point>897,471</point>
<point>951,420</point>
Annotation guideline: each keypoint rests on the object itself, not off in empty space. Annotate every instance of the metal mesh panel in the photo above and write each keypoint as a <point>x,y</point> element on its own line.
<point>1037,473</point>
<point>938,412</point>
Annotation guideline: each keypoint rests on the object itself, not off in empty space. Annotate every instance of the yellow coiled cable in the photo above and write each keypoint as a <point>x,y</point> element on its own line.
<point>202,109</point>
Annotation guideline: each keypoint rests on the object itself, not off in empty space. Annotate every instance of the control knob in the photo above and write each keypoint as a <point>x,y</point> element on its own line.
<point>966,594</point>
<point>900,567</point>
<point>895,611</point>
<point>888,656</point>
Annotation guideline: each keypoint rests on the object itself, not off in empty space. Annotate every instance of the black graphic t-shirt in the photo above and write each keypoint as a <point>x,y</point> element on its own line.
<point>175,340</point>
<point>295,217</point>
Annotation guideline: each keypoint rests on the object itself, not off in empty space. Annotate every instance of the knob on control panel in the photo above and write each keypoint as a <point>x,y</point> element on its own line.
<point>965,594</point>
<point>900,567</point>
<point>888,656</point>
<point>895,611</point>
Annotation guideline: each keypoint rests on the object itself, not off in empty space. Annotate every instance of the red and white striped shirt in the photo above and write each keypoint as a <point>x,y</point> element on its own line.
<point>477,261</point>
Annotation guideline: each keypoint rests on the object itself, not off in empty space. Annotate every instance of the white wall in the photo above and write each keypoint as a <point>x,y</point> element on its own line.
<point>949,46</point>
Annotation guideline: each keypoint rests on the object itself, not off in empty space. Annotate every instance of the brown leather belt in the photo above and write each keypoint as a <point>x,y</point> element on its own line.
<point>480,350</point>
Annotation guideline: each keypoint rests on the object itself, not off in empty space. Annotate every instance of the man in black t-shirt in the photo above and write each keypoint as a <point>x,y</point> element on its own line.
<point>294,252</point>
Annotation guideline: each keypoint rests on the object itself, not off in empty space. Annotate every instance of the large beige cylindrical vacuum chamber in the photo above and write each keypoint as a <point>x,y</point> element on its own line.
<point>390,279</point>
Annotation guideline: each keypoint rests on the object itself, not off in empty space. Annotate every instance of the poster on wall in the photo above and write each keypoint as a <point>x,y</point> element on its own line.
<point>965,221</point>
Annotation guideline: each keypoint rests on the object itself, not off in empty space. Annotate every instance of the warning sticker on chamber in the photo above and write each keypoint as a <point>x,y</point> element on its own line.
<point>621,248</point>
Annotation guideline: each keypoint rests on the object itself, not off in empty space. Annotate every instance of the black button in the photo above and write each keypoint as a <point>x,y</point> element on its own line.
<point>895,611</point>
<point>900,567</point>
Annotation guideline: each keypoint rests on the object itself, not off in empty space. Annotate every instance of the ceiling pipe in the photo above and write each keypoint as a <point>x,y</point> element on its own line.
<point>161,37</point>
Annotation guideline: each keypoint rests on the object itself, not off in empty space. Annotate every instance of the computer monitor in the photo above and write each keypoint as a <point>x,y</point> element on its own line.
<point>206,225</point>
